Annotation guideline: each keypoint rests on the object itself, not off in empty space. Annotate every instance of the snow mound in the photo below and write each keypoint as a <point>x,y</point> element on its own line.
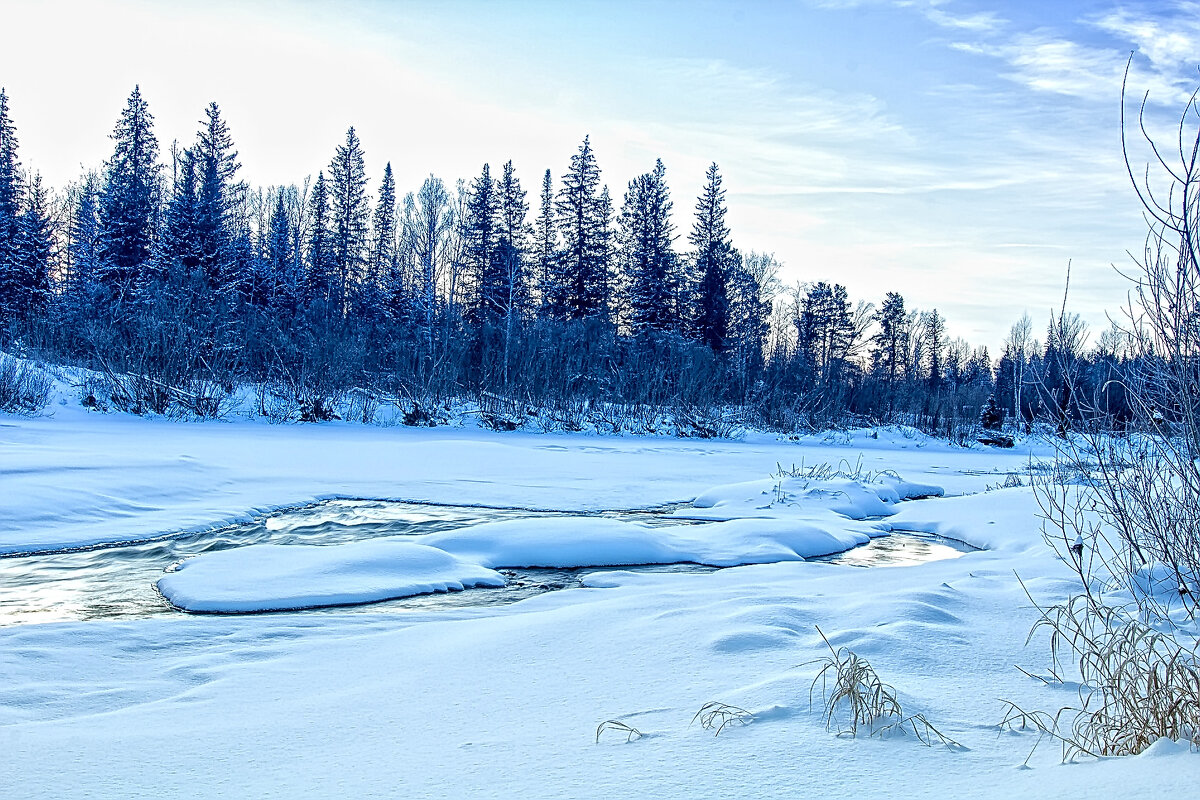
<point>566,542</point>
<point>855,499</point>
<point>266,577</point>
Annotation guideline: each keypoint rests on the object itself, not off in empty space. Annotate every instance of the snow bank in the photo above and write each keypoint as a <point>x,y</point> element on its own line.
<point>597,542</point>
<point>855,499</point>
<point>277,577</point>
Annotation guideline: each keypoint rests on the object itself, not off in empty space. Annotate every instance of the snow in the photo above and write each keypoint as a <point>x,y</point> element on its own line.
<point>594,542</point>
<point>504,701</point>
<point>268,577</point>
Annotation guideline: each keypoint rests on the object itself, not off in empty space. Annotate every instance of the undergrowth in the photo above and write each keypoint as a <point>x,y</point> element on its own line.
<point>24,387</point>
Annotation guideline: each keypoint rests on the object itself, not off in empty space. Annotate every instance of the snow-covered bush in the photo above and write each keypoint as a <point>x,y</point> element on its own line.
<point>24,387</point>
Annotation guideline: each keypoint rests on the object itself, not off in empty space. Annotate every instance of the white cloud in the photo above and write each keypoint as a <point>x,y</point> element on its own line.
<point>1169,42</point>
<point>1057,65</point>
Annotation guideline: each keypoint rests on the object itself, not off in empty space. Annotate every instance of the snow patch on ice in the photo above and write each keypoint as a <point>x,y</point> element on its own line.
<point>277,577</point>
<point>565,542</point>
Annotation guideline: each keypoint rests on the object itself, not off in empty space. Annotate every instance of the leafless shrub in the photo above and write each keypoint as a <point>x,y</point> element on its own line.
<point>1130,527</point>
<point>24,387</point>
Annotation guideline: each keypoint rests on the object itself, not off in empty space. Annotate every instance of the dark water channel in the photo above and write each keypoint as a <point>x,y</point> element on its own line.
<point>119,582</point>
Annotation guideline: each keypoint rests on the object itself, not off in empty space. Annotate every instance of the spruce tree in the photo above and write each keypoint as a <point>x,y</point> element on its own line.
<point>551,291</point>
<point>82,248</point>
<point>35,253</point>
<point>215,167</point>
<point>891,342</point>
<point>11,192</point>
<point>480,241</point>
<point>582,212</point>
<point>935,344</point>
<point>179,250</point>
<point>281,284</point>
<point>129,199</point>
<point>646,240</point>
<point>319,281</point>
<point>712,256</point>
<point>825,331</point>
<point>383,232</point>
<point>512,246</point>
<point>349,211</point>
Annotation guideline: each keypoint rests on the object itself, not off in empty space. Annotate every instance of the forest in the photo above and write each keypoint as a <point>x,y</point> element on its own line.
<point>174,282</point>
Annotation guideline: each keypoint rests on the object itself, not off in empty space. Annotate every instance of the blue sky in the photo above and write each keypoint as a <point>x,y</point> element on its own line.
<point>957,152</point>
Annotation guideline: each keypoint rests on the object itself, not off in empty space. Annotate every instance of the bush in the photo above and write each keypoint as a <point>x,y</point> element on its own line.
<point>24,387</point>
<point>1129,526</point>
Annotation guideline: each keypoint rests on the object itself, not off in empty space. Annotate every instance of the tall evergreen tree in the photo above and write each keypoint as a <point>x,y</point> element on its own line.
<point>349,216</point>
<point>129,199</point>
<point>480,240</point>
<point>11,192</point>
<point>512,246</point>
<point>320,278</point>
<point>82,253</point>
<point>891,342</point>
<point>712,257</point>
<point>934,336</point>
<point>750,297</point>
<point>35,252</point>
<point>179,251</point>
<point>551,290</point>
<point>582,221</point>
<point>281,282</point>
<point>825,331</point>
<point>383,231</point>
<point>216,165</point>
<point>646,240</point>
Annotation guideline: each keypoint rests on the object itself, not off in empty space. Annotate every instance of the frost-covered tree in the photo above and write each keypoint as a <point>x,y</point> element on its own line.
<point>383,232</point>
<point>129,198</point>
<point>82,251</point>
<point>34,254</point>
<point>551,291</point>
<point>512,242</point>
<point>428,220</point>
<point>890,344</point>
<point>216,166</point>
<point>582,213</point>
<point>711,259</point>
<point>320,276</point>
<point>933,329</point>
<point>479,230</point>
<point>751,288</point>
<point>349,211</point>
<point>647,254</point>
<point>11,192</point>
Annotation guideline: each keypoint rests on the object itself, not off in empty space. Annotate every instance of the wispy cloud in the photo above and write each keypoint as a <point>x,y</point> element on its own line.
<point>1075,64</point>
<point>1047,63</point>
<point>1169,42</point>
<point>980,22</point>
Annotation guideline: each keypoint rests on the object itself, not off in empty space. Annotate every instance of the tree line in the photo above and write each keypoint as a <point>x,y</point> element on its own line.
<point>178,282</point>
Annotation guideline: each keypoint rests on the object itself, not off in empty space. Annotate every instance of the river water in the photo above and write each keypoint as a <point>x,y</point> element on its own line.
<point>119,582</point>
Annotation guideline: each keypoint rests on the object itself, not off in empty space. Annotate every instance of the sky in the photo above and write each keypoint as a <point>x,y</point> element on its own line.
<point>960,153</point>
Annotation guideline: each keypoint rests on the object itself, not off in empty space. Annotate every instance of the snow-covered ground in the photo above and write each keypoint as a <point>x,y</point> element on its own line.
<point>505,701</point>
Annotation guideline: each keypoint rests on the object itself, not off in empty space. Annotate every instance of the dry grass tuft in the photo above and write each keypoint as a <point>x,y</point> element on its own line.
<point>631,733</point>
<point>1138,683</point>
<point>714,714</point>
<point>850,683</point>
